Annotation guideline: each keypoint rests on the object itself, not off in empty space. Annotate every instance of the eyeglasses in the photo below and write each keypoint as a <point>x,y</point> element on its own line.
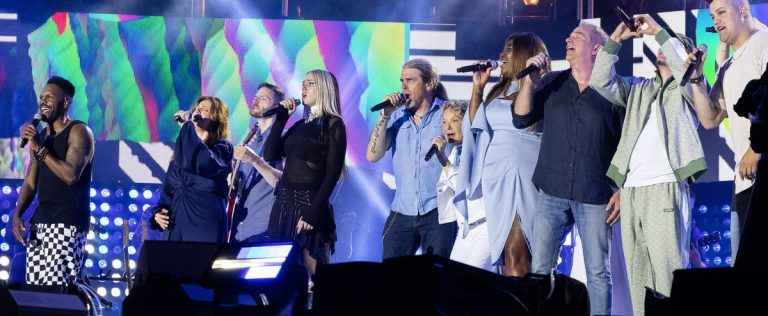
<point>308,83</point>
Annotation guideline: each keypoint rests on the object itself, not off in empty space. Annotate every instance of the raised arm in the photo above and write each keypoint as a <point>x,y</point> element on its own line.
<point>379,141</point>
<point>604,78</point>
<point>479,80</point>
<point>525,113</point>
<point>247,155</point>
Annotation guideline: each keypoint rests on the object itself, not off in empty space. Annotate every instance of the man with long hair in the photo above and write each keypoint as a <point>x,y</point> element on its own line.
<point>408,132</point>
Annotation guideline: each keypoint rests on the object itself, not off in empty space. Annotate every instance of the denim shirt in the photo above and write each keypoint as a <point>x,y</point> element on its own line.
<point>581,133</point>
<point>256,196</point>
<point>414,177</point>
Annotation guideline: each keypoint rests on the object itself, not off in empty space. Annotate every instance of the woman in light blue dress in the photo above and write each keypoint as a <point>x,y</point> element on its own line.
<point>499,159</point>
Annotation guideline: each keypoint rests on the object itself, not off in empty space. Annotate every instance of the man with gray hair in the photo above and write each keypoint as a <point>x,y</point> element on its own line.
<point>658,157</point>
<point>407,127</point>
<point>581,131</point>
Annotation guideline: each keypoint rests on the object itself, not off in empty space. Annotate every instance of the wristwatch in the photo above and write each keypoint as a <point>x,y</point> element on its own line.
<point>696,80</point>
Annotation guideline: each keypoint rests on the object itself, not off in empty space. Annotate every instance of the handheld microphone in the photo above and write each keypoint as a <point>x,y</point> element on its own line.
<point>386,103</point>
<point>493,64</point>
<point>527,71</point>
<point>431,152</point>
<point>625,19</point>
<point>36,120</point>
<point>710,29</point>
<point>693,65</point>
<point>278,109</point>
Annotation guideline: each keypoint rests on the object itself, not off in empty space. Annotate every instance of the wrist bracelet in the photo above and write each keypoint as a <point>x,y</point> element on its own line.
<point>698,79</point>
<point>41,154</point>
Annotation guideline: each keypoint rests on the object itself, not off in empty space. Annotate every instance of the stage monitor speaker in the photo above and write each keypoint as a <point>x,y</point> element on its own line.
<point>719,291</point>
<point>208,278</point>
<point>187,262</point>
<point>28,303</point>
<point>431,285</point>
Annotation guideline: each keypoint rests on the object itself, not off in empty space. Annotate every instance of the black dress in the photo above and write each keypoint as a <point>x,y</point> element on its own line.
<point>314,159</point>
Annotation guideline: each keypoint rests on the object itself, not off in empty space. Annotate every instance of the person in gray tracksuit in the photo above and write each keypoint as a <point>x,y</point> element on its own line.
<point>658,156</point>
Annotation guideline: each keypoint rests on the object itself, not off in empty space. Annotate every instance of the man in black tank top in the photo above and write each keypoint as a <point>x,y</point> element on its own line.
<point>60,175</point>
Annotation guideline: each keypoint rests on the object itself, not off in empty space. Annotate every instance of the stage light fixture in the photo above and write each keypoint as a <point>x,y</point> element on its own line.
<point>147,194</point>
<point>116,264</point>
<point>92,192</point>
<point>4,261</point>
<point>133,208</point>
<point>92,206</point>
<point>104,207</point>
<point>726,208</point>
<point>7,190</point>
<point>531,2</point>
<point>2,232</point>
<point>119,193</point>
<point>4,275</point>
<point>131,250</point>
<point>5,218</point>
<point>133,193</point>
<point>89,248</point>
<point>103,250</point>
<point>717,261</point>
<point>104,221</point>
<point>118,221</point>
<point>105,192</point>
<point>4,246</point>
<point>703,209</point>
<point>145,207</point>
<point>101,291</point>
<point>115,292</point>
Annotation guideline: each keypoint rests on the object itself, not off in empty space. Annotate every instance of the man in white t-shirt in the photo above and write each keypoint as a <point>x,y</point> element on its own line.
<point>659,155</point>
<point>736,27</point>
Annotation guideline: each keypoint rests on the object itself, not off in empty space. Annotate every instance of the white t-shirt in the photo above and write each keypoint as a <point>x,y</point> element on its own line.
<point>745,64</point>
<point>649,163</point>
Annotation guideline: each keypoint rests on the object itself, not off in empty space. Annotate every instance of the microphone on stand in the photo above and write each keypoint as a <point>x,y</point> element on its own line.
<point>493,64</point>
<point>278,109</point>
<point>35,120</point>
<point>386,103</point>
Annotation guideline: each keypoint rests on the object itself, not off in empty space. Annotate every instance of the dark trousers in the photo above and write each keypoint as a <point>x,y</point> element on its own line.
<point>403,235</point>
<point>753,248</point>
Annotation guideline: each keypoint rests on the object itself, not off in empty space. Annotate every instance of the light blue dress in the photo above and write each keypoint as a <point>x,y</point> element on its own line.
<point>498,163</point>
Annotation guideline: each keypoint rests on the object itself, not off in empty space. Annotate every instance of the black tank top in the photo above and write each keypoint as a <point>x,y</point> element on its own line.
<point>57,201</point>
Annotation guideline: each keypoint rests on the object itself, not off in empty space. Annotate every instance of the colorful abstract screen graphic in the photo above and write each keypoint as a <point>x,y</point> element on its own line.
<point>133,72</point>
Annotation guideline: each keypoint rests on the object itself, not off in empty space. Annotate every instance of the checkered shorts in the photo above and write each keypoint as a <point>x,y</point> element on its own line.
<point>54,254</point>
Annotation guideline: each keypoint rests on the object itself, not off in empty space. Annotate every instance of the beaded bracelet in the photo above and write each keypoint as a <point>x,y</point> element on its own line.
<point>41,154</point>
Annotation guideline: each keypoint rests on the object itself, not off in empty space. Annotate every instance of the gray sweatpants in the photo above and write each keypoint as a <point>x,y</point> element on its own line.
<point>655,233</point>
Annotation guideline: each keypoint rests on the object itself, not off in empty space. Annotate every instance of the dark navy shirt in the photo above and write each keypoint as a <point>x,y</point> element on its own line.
<point>581,132</point>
